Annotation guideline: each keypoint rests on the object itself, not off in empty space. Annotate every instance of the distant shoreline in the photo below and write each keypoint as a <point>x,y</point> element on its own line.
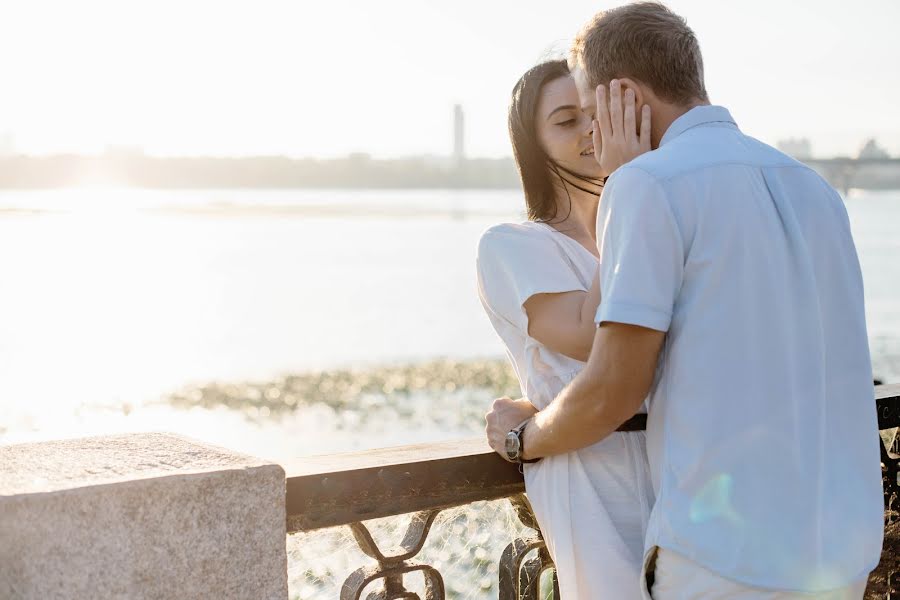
<point>353,172</point>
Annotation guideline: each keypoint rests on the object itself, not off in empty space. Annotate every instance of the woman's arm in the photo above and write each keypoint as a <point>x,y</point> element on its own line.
<point>565,322</point>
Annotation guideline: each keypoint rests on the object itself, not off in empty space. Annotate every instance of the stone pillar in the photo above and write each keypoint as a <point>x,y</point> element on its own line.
<point>140,516</point>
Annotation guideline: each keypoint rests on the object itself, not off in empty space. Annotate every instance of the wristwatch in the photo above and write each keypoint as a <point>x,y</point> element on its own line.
<point>515,445</point>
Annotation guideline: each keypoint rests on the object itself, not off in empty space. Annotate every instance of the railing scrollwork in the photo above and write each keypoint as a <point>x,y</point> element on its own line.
<point>393,566</point>
<point>888,403</point>
<point>521,578</point>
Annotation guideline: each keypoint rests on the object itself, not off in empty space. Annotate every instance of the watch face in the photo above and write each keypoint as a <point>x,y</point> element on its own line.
<point>512,445</point>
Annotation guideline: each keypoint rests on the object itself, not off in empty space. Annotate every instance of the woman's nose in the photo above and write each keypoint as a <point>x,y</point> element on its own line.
<point>589,128</point>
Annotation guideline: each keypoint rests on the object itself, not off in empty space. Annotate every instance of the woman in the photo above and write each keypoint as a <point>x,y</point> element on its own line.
<point>539,284</point>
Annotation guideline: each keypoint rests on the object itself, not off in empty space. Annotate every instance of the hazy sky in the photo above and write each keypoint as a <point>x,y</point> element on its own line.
<point>328,77</point>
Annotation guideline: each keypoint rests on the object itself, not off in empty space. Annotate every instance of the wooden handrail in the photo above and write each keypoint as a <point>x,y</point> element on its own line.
<point>337,489</point>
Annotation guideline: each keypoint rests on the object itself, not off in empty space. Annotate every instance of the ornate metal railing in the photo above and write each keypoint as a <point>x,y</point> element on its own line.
<point>347,489</point>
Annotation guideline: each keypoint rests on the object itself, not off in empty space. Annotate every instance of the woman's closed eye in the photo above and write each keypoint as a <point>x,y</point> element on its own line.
<point>568,123</point>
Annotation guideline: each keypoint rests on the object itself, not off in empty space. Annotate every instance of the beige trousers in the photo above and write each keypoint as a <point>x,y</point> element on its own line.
<point>677,578</point>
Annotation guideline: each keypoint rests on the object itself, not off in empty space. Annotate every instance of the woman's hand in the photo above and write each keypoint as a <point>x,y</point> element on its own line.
<point>615,129</point>
<point>504,416</point>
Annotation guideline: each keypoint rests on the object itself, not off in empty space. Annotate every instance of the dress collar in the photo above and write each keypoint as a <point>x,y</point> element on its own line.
<point>699,115</point>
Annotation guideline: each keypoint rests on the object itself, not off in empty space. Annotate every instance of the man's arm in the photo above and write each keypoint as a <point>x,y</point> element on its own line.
<point>607,392</point>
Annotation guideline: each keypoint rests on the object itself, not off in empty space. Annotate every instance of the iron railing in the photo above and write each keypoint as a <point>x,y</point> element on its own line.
<point>348,489</point>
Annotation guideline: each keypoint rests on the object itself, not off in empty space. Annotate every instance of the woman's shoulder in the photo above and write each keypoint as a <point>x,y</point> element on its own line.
<point>502,235</point>
<point>521,228</point>
<point>519,254</point>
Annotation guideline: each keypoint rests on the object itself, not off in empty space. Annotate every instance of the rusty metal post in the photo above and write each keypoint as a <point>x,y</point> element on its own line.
<point>520,578</point>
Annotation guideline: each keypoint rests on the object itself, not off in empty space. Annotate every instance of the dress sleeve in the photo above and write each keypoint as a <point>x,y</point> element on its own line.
<point>515,263</point>
<point>641,252</point>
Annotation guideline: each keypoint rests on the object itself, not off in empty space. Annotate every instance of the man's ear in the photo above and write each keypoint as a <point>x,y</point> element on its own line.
<point>639,96</point>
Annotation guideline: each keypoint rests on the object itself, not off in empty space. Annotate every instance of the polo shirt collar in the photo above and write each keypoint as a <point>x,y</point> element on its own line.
<point>699,115</point>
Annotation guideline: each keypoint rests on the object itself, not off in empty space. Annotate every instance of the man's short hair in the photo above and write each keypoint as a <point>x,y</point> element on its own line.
<point>644,41</point>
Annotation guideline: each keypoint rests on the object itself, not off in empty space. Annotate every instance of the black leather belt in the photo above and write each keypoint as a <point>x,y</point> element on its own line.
<point>636,423</point>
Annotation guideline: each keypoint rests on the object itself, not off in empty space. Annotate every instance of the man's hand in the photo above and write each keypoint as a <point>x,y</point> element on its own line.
<point>615,129</point>
<point>505,415</point>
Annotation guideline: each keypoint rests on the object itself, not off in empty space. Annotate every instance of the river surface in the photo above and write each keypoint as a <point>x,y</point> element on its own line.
<point>114,300</point>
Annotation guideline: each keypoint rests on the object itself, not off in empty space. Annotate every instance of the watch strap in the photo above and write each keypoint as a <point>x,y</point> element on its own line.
<point>520,431</point>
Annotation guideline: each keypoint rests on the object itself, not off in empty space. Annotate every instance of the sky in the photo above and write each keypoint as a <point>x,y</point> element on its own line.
<point>329,77</point>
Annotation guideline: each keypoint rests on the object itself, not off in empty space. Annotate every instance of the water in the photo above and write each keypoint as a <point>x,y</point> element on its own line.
<point>115,299</point>
<point>286,323</point>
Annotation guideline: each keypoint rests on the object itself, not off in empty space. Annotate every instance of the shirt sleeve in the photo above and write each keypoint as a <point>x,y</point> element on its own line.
<point>515,263</point>
<point>641,252</point>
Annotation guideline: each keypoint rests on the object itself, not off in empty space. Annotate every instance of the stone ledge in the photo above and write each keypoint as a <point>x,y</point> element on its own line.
<point>66,464</point>
<point>140,516</point>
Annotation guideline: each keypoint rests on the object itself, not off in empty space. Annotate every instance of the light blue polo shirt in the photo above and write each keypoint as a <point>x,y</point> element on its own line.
<point>762,434</point>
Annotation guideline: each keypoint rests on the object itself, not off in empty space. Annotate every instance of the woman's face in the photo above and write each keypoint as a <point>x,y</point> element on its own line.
<point>564,130</point>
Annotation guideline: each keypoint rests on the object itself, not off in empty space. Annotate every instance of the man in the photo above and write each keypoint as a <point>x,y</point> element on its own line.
<point>731,298</point>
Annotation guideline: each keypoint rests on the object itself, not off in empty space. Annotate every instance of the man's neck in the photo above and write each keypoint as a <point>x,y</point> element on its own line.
<point>664,114</point>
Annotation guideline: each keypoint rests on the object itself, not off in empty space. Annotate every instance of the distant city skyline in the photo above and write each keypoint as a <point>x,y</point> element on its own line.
<point>203,78</point>
<point>127,167</point>
<point>798,147</point>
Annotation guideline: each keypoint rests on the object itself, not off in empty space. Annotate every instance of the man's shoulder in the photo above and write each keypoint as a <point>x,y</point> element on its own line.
<point>703,149</point>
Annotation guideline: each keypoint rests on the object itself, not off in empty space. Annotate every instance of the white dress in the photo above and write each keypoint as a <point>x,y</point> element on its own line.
<point>592,504</point>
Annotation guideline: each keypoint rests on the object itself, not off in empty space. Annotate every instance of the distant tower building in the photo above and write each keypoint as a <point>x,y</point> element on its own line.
<point>459,134</point>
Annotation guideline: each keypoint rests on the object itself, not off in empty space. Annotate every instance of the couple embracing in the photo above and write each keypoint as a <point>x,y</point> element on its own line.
<point>684,311</point>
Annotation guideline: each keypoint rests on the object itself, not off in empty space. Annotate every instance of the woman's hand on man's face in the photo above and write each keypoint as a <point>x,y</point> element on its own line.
<point>615,128</point>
